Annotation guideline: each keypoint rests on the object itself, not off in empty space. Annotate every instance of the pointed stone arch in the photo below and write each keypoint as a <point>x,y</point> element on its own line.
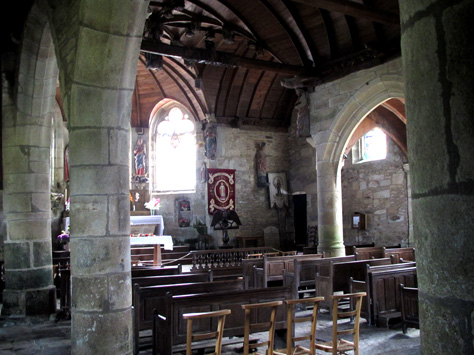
<point>357,107</point>
<point>331,142</point>
<point>26,150</point>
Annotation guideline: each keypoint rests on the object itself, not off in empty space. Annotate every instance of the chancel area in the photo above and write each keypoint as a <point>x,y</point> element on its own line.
<point>179,166</point>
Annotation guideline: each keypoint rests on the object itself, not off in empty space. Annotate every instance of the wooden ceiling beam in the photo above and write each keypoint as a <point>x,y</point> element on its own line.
<point>354,9</point>
<point>217,58</point>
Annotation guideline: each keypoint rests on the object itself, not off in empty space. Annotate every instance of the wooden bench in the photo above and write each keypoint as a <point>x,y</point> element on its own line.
<point>146,299</point>
<point>303,279</point>
<point>368,253</point>
<point>409,308</point>
<point>362,284</point>
<point>141,271</point>
<point>248,271</point>
<point>172,279</point>
<point>338,275</point>
<point>384,286</point>
<point>274,267</point>
<point>350,248</point>
<point>169,328</point>
<point>400,254</point>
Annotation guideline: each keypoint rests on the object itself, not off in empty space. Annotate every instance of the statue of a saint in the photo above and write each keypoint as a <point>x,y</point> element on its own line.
<point>210,138</point>
<point>261,162</point>
<point>302,121</point>
<point>140,153</point>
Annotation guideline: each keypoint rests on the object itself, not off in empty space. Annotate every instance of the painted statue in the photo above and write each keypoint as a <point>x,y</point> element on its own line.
<point>140,154</point>
<point>302,120</point>
<point>210,137</point>
<point>261,162</point>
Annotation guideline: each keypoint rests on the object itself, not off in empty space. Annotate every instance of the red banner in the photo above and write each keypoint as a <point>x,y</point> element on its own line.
<point>220,190</point>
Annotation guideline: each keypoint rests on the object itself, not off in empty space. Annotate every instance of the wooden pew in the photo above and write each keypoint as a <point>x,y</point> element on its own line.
<point>248,271</point>
<point>350,248</point>
<point>273,268</point>
<point>385,288</point>
<point>368,253</point>
<point>400,254</point>
<point>141,271</point>
<point>169,328</point>
<point>362,284</point>
<point>172,279</point>
<point>338,276</point>
<point>409,308</point>
<point>304,276</point>
<point>146,299</point>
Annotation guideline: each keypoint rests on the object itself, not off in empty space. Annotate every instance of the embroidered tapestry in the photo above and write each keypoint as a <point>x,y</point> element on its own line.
<point>220,190</point>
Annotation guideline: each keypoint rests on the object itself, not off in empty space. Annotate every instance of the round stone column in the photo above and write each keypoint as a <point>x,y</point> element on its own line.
<point>438,60</point>
<point>330,227</point>
<point>99,149</point>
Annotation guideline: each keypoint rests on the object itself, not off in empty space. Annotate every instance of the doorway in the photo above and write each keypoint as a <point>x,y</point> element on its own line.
<point>300,219</point>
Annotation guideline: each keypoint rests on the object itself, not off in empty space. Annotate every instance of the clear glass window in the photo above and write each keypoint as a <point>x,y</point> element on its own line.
<point>175,152</point>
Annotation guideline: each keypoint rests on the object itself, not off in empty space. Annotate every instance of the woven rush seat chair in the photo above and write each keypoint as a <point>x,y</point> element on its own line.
<point>338,345</point>
<point>292,319</point>
<point>254,309</point>
<point>197,336</point>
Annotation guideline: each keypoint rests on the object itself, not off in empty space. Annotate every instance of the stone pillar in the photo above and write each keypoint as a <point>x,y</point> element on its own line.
<point>330,226</point>
<point>26,136</point>
<point>99,146</point>
<point>438,60</point>
<point>410,240</point>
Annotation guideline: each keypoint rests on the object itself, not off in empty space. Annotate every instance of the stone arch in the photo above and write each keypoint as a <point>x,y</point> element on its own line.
<point>357,107</point>
<point>26,148</point>
<point>330,145</point>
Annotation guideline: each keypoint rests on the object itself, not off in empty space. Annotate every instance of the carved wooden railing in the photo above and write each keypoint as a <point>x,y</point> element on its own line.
<point>224,258</point>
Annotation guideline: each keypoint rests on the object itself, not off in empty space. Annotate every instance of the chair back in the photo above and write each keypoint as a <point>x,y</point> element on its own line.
<point>292,348</point>
<point>338,345</point>
<point>253,323</point>
<point>196,336</point>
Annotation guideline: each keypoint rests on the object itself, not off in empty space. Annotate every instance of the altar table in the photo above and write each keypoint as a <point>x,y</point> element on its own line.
<point>156,241</point>
<point>148,220</point>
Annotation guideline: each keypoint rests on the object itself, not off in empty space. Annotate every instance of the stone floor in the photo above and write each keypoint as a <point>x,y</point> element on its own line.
<point>49,337</point>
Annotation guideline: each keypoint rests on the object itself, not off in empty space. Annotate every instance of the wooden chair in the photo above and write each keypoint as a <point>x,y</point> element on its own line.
<point>190,336</point>
<point>292,319</point>
<point>338,345</point>
<point>256,326</point>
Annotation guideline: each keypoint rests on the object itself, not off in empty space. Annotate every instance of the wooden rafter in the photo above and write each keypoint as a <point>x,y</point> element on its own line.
<point>217,58</point>
<point>354,9</point>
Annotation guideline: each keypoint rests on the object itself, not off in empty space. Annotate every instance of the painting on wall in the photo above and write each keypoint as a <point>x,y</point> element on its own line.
<point>220,190</point>
<point>278,190</point>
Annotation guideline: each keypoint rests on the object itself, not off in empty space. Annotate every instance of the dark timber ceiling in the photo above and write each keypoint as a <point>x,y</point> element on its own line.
<point>229,58</point>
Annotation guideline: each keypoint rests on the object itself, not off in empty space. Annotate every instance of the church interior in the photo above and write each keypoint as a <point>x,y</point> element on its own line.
<point>208,141</point>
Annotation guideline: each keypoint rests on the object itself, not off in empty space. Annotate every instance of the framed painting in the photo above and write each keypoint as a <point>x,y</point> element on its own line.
<point>278,190</point>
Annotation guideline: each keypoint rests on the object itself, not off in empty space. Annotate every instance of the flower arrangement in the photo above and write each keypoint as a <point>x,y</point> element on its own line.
<point>153,205</point>
<point>64,237</point>
<point>183,222</point>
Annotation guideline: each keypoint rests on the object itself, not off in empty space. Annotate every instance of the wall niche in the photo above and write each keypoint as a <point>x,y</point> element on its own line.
<point>185,213</point>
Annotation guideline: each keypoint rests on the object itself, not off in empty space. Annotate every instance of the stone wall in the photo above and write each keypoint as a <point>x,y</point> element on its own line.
<point>236,149</point>
<point>379,190</point>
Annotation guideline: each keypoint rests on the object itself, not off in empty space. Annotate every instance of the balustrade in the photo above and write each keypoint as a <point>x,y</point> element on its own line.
<point>223,258</point>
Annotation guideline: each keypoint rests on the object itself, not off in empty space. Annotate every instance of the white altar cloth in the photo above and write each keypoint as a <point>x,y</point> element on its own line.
<point>143,220</point>
<point>164,240</point>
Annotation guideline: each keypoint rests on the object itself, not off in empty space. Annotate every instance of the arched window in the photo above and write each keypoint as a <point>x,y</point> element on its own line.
<point>175,153</point>
<point>372,146</point>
